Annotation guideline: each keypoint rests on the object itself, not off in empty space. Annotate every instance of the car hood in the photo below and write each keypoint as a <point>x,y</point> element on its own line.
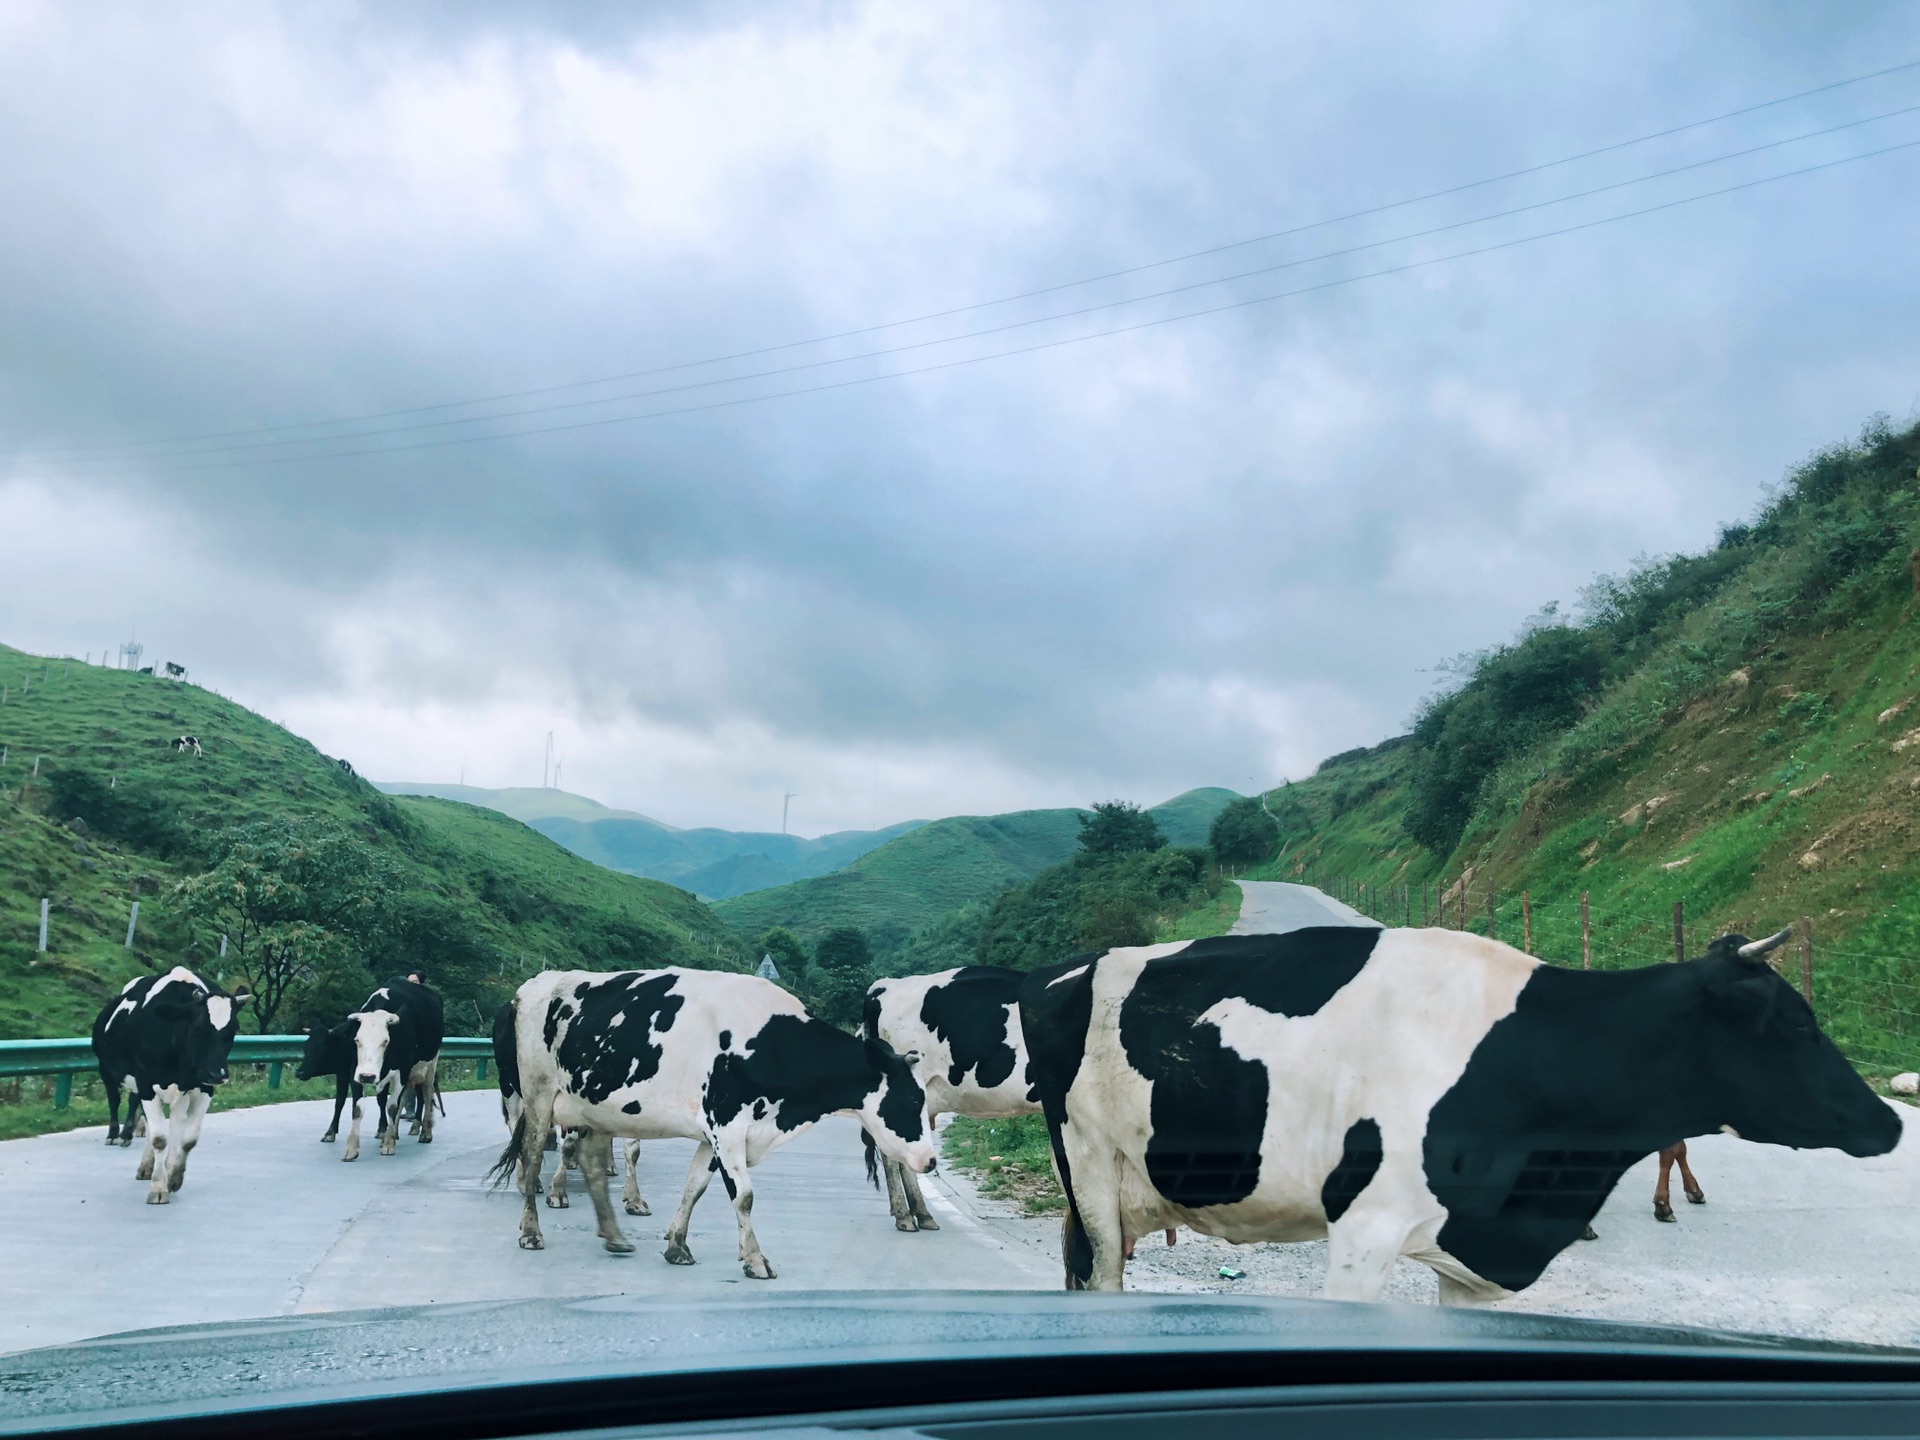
<point>1022,1340</point>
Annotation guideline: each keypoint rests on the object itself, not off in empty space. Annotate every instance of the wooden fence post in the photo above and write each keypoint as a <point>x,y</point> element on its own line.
<point>1492,900</point>
<point>1806,958</point>
<point>43,924</point>
<point>1679,934</point>
<point>133,919</point>
<point>1423,904</point>
<point>1526,919</point>
<point>1586,936</point>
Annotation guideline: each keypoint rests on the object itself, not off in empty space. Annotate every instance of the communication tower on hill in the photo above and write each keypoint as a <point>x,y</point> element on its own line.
<point>130,654</point>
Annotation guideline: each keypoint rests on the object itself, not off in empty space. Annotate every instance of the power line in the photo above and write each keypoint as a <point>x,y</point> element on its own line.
<point>1013,325</point>
<point>1045,344</point>
<point>1002,300</point>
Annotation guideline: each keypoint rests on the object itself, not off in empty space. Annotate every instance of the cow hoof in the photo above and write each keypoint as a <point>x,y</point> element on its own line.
<point>618,1245</point>
<point>328,1138</point>
<point>678,1254</point>
<point>1696,1197</point>
<point>347,1155</point>
<point>556,1201</point>
<point>125,1141</point>
<point>905,1222</point>
<point>637,1207</point>
<point>1589,1234</point>
<point>178,1184</point>
<point>532,1242</point>
<point>758,1269</point>
<point>157,1197</point>
<point>426,1139</point>
<point>926,1222</point>
<point>145,1172</point>
<point>387,1149</point>
<point>1663,1211</point>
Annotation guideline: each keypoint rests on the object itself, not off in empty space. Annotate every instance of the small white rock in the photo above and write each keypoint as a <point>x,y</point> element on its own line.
<point>1906,1084</point>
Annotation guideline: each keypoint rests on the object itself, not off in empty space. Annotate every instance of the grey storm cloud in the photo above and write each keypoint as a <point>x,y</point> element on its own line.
<point>1203,550</point>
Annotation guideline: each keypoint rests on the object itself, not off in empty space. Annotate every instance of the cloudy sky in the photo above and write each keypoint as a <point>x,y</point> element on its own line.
<point>818,469</point>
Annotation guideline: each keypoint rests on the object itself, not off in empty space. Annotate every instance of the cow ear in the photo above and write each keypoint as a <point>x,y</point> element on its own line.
<point>1746,1002</point>
<point>879,1053</point>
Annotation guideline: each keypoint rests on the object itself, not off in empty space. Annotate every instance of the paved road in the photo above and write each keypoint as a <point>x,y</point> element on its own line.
<point>271,1222</point>
<point>1270,907</point>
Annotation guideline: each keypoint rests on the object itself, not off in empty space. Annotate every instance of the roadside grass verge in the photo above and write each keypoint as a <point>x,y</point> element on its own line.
<point>27,1108</point>
<point>1009,1160</point>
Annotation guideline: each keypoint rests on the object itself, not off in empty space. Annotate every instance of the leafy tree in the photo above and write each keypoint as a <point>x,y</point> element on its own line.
<point>844,950</point>
<point>302,907</point>
<point>1243,833</point>
<point>789,955</point>
<point>1092,902</point>
<point>138,813</point>
<point>1118,827</point>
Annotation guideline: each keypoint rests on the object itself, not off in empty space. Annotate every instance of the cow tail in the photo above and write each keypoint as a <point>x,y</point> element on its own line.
<point>511,1157</point>
<point>873,1157</point>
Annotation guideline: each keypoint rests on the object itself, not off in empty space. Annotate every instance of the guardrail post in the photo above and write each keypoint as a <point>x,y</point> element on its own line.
<point>62,1089</point>
<point>273,1075</point>
<point>480,1068</point>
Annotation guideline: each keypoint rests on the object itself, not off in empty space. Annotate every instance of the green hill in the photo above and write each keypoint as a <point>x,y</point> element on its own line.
<point>916,880</point>
<point>484,899</point>
<point>712,863</point>
<point>1736,732</point>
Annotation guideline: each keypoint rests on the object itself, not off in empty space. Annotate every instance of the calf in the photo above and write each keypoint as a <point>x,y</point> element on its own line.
<point>165,1039</point>
<point>396,1047</point>
<point>186,743</point>
<point>1425,1093</point>
<point>732,1061</point>
<point>960,1031</point>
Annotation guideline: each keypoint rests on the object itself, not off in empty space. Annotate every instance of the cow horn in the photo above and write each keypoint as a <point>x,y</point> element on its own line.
<point>1755,949</point>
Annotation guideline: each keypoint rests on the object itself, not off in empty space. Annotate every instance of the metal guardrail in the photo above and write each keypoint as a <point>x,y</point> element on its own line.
<point>63,1059</point>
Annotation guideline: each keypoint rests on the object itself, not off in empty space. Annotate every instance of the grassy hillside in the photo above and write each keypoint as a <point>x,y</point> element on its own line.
<point>484,900</point>
<point>1737,732</point>
<point>526,803</point>
<point>917,881</point>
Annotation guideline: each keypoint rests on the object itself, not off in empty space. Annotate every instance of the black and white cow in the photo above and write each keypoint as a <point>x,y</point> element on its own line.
<point>394,1040</point>
<point>732,1061</point>
<point>1424,1093</point>
<point>176,672</point>
<point>506,1065</point>
<point>960,1031</point>
<point>187,744</point>
<point>165,1040</point>
<point>330,1051</point>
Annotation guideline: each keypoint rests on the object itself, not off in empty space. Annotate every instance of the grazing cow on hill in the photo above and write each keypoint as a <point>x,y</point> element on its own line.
<point>394,1040</point>
<point>176,672</point>
<point>165,1040</point>
<point>960,1031</point>
<point>187,743</point>
<point>1424,1093</point>
<point>345,766</point>
<point>732,1061</point>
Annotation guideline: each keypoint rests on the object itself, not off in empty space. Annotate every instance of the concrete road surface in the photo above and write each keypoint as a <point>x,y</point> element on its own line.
<point>1270,907</point>
<point>271,1222</point>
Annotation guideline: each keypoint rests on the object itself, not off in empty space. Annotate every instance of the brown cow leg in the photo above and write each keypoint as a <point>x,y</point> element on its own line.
<point>1662,1193</point>
<point>1695,1195</point>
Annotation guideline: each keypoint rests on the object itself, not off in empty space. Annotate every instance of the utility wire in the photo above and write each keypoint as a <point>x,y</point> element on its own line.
<point>1038,345</point>
<point>1013,325</point>
<point>1005,299</point>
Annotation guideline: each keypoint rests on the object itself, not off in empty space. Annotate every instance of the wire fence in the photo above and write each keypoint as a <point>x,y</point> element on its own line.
<point>1867,1002</point>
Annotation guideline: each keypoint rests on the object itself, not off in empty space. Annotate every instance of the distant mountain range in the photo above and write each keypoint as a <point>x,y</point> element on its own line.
<point>711,863</point>
<point>969,856</point>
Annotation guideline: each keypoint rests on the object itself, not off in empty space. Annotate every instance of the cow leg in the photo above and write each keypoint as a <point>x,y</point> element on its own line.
<point>412,1092</point>
<point>168,1158</point>
<point>1662,1195</point>
<point>536,1118</point>
<point>1095,1209</point>
<point>699,1176</point>
<point>139,1130</point>
<point>1361,1249</point>
<point>339,1104</point>
<point>630,1196</point>
<point>424,1126</point>
<point>390,1120</point>
<point>596,1162</point>
<point>570,1149</point>
<point>155,1117</point>
<point>113,1111</point>
<point>1695,1195</point>
<point>731,1152</point>
<point>557,1191</point>
<point>352,1151</point>
<point>196,1103</point>
<point>917,1200</point>
<point>897,1196</point>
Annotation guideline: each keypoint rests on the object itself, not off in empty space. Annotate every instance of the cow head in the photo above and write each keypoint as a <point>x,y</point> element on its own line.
<point>894,1112</point>
<point>1778,1078</point>
<point>372,1030</point>
<point>209,1020</point>
<point>328,1052</point>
